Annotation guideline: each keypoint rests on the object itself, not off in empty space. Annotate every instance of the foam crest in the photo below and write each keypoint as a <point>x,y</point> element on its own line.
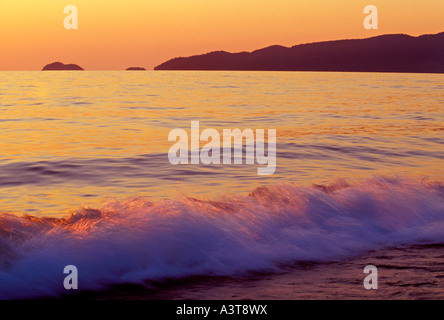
<point>137,240</point>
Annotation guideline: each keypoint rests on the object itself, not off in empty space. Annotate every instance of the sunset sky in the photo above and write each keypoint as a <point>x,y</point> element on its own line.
<point>116,34</point>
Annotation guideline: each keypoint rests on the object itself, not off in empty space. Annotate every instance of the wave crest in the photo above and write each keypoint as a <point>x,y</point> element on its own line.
<point>137,240</point>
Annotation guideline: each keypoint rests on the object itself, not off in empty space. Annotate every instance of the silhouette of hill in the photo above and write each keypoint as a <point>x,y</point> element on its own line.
<point>60,66</point>
<point>135,69</point>
<point>386,53</point>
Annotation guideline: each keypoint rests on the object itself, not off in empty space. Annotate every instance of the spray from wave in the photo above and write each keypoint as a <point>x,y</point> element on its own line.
<point>136,240</point>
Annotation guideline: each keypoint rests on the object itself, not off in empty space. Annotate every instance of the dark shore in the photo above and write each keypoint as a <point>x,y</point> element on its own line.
<point>386,53</point>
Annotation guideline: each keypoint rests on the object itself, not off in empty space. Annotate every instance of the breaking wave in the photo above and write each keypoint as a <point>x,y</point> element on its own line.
<point>136,240</point>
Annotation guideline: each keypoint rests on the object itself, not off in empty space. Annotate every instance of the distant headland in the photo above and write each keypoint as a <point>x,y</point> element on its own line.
<point>135,69</point>
<point>386,53</point>
<point>61,66</point>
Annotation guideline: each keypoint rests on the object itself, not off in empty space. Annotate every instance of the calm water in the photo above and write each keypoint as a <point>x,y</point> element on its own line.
<point>70,139</point>
<point>85,180</point>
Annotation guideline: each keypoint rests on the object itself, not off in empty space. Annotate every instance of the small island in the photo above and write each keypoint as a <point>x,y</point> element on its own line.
<point>136,69</point>
<point>58,66</point>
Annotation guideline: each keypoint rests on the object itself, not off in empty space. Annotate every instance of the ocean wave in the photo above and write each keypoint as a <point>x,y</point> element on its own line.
<point>138,240</point>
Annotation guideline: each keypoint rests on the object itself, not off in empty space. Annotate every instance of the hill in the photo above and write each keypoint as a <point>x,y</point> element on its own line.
<point>386,53</point>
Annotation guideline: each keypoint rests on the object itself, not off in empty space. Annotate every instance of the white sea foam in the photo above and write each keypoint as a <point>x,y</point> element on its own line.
<point>138,240</point>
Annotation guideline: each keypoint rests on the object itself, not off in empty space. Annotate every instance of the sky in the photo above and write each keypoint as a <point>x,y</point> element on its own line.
<point>116,34</point>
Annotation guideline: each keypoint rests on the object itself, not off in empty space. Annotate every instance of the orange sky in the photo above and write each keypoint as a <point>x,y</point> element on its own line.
<point>116,34</point>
